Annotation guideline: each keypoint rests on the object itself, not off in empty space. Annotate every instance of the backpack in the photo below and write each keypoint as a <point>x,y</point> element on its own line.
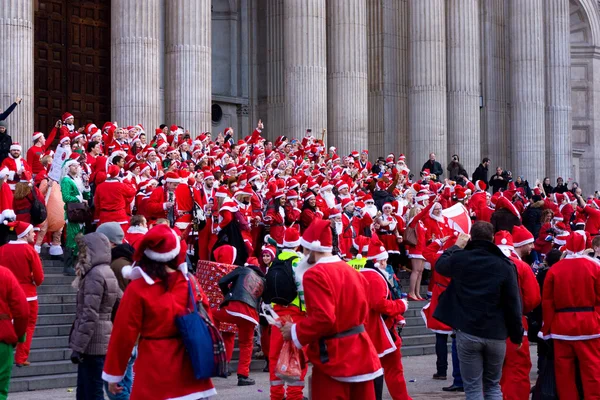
<point>281,286</point>
<point>38,210</point>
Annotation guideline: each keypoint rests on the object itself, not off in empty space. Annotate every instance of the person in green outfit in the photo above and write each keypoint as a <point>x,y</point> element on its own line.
<point>14,313</point>
<point>75,188</point>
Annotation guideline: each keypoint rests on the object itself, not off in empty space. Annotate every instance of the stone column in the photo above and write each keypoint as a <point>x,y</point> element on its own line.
<point>558,88</point>
<point>188,65</point>
<point>427,113</point>
<point>305,66</point>
<point>347,88</point>
<point>275,70</point>
<point>387,50</point>
<point>528,152</point>
<point>135,83</point>
<point>16,45</point>
<point>462,19</point>
<point>494,83</point>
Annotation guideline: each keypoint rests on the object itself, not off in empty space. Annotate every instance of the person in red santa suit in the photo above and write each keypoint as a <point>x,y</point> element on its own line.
<point>337,309</point>
<point>7,213</point>
<point>157,293</point>
<point>40,145</point>
<point>242,199</point>
<point>592,212</point>
<point>381,323</point>
<point>67,126</point>
<point>16,165</point>
<point>415,253</point>
<point>161,203</point>
<point>515,381</point>
<point>571,317</point>
<point>275,218</point>
<point>207,193</point>
<point>363,163</point>
<point>138,227</point>
<point>112,199</point>
<point>389,233</point>
<point>20,257</point>
<point>348,228</point>
<point>242,289</point>
<point>478,200</point>
<point>310,211</point>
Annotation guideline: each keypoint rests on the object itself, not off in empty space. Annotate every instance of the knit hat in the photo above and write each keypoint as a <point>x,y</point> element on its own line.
<point>318,237</point>
<point>291,237</point>
<point>160,244</point>
<point>521,236</point>
<point>377,251</point>
<point>576,242</point>
<point>113,231</point>
<point>21,228</point>
<point>225,254</point>
<point>16,146</point>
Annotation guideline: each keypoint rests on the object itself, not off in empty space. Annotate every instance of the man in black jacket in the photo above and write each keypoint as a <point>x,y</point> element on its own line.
<point>434,167</point>
<point>5,139</point>
<point>481,172</point>
<point>483,304</point>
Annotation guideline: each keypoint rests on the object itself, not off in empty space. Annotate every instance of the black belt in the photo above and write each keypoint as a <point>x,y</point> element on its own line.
<point>323,354</point>
<point>24,211</point>
<point>576,309</point>
<point>160,338</point>
<point>439,284</point>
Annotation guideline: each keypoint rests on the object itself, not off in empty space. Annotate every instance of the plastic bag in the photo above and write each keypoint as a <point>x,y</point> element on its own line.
<point>289,368</point>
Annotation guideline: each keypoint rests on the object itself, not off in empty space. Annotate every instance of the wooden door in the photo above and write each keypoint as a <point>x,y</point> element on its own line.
<point>72,62</point>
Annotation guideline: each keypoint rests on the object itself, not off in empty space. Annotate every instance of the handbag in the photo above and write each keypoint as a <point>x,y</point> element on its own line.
<point>78,213</point>
<point>202,340</point>
<point>38,210</point>
<point>410,236</point>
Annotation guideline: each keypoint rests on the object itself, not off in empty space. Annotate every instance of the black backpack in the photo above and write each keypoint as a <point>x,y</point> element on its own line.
<point>280,287</point>
<point>38,210</point>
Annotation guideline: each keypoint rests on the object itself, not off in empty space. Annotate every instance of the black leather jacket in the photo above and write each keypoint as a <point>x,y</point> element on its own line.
<point>244,284</point>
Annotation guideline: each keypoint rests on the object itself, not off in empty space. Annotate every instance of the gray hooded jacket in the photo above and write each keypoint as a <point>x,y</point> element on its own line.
<point>98,291</point>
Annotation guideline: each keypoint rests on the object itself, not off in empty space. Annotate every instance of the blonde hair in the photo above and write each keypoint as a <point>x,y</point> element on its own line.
<point>22,190</point>
<point>413,212</point>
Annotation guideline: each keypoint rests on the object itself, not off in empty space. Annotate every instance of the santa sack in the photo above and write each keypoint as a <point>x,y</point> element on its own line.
<point>55,208</point>
<point>289,364</point>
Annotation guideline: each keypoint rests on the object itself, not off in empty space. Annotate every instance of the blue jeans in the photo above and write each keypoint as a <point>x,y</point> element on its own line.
<point>456,365</point>
<point>441,352</point>
<point>481,363</point>
<point>127,381</point>
<point>89,378</point>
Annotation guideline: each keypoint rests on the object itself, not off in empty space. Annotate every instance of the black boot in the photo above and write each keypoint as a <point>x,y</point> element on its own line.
<point>266,368</point>
<point>245,381</point>
<point>68,269</point>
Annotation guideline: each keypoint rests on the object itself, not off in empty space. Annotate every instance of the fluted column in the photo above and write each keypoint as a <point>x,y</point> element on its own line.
<point>387,48</point>
<point>495,128</point>
<point>188,64</point>
<point>135,84</point>
<point>305,66</point>
<point>275,70</point>
<point>462,23</point>
<point>347,88</point>
<point>558,88</point>
<point>528,153</point>
<point>427,81</point>
<point>16,72</point>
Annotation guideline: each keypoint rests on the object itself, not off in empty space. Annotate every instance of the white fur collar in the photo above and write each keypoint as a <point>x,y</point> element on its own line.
<point>133,272</point>
<point>137,229</point>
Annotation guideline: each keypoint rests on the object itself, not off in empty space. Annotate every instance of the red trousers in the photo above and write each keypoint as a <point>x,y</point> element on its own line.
<point>393,373</point>
<point>326,388</point>
<point>245,338</point>
<point>22,352</point>
<point>515,382</point>
<point>587,352</point>
<point>265,340</point>
<point>229,340</point>
<point>278,391</point>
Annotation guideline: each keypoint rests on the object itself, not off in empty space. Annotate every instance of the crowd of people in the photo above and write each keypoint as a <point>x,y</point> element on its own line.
<point>132,213</point>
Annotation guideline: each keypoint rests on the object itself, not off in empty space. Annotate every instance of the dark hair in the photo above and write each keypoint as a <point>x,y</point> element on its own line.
<point>596,241</point>
<point>482,230</point>
<point>553,257</point>
<point>162,126</point>
<point>136,220</point>
<point>91,145</point>
<point>156,269</point>
<point>485,159</point>
<point>116,160</point>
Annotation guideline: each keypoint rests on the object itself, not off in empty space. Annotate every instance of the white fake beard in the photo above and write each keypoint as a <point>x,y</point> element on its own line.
<point>339,228</point>
<point>329,199</point>
<point>371,210</point>
<point>70,127</point>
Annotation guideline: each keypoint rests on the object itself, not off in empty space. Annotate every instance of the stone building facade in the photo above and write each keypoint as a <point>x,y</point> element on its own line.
<point>518,81</point>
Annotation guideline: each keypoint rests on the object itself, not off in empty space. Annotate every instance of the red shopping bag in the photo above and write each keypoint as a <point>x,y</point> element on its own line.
<point>289,364</point>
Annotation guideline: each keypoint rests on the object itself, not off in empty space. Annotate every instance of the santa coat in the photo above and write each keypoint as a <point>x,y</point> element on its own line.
<point>346,238</point>
<point>155,206</point>
<point>387,234</point>
<point>381,304</point>
<point>134,234</point>
<point>14,304</point>
<point>307,216</point>
<point>22,259</point>
<point>336,301</point>
<point>292,215</point>
<point>275,219</point>
<point>112,200</point>
<point>541,245</point>
<point>14,165</point>
<point>35,153</point>
<point>436,229</point>
<point>592,224</point>
<point>572,286</point>
<point>185,204</point>
<point>440,282</point>
<point>23,206</point>
<point>148,311</point>
<point>477,203</point>
<point>206,234</point>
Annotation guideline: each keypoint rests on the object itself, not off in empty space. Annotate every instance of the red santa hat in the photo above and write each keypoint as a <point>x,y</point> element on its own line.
<point>347,202</point>
<point>377,251</point>
<point>504,240</point>
<point>355,154</point>
<point>172,177</point>
<point>503,202</point>
<point>480,185</point>
<point>459,192</point>
<point>308,195</point>
<point>291,194</point>
<point>269,249</point>
<point>26,177</point>
<point>335,212</point>
<point>291,237</point>
<point>225,254</point>
<point>243,192</point>
<point>521,236</point>
<point>15,146</point>
<point>36,136</point>
<point>576,242</point>
<point>160,244</point>
<point>318,237</point>
<point>222,191</point>
<point>368,198</point>
<point>113,171</point>
<point>21,228</point>
<point>66,116</point>
<point>326,185</point>
<point>402,157</point>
